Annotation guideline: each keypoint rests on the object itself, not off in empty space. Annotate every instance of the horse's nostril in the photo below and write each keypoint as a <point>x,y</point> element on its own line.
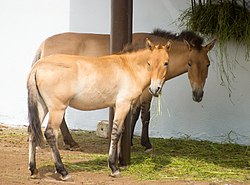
<point>154,90</point>
<point>197,95</point>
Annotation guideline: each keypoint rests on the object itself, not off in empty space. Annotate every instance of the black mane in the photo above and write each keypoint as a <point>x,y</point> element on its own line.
<point>194,39</point>
<point>129,48</point>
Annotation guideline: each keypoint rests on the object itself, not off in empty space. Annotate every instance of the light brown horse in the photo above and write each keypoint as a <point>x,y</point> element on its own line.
<point>89,83</point>
<point>187,53</point>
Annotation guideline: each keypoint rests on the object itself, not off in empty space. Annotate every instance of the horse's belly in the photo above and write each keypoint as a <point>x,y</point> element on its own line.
<point>85,102</point>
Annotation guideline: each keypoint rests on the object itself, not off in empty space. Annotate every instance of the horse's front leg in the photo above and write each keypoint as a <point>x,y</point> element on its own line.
<point>121,112</point>
<point>134,117</point>
<point>145,118</point>
<point>51,135</point>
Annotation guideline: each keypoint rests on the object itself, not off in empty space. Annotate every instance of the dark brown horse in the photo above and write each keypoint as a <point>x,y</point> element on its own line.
<point>187,53</point>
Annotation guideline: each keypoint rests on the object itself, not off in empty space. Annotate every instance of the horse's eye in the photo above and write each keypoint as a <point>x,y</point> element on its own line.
<point>208,65</point>
<point>166,64</point>
<point>148,63</point>
<point>189,64</point>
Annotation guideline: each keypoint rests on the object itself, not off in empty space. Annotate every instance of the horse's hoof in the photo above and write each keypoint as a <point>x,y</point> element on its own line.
<point>66,177</point>
<point>148,150</point>
<point>123,167</point>
<point>115,174</point>
<point>71,143</point>
<point>34,175</point>
<point>70,147</point>
<point>74,146</point>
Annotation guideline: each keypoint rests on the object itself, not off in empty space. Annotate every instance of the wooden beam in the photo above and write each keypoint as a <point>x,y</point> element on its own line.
<point>121,34</point>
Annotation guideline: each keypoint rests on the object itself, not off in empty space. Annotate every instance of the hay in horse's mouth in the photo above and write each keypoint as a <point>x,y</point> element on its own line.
<point>158,109</point>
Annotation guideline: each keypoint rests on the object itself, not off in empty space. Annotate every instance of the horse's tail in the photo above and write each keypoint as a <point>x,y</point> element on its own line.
<point>35,130</point>
<point>39,53</point>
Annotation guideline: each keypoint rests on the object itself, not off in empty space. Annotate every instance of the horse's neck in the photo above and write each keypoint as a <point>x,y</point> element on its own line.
<point>178,55</point>
<point>137,62</point>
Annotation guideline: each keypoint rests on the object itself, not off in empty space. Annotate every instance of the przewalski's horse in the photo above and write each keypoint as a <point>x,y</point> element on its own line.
<point>58,81</point>
<point>187,53</point>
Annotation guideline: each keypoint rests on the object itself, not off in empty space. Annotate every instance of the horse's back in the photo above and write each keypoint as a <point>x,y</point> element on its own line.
<point>87,44</point>
<point>56,68</point>
<point>76,44</point>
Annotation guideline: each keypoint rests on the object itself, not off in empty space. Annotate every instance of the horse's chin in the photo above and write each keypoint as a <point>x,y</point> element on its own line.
<point>157,94</point>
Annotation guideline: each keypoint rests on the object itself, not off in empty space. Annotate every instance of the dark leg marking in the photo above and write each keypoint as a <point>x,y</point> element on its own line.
<point>145,117</point>
<point>67,137</point>
<point>51,139</point>
<point>135,116</point>
<point>115,136</point>
<point>32,154</point>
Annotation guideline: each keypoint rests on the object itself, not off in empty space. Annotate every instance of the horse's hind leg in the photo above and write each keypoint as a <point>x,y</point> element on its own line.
<point>32,155</point>
<point>145,117</point>
<point>42,111</point>
<point>51,134</point>
<point>67,137</point>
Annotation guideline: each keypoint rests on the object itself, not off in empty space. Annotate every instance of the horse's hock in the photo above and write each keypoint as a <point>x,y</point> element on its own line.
<point>102,128</point>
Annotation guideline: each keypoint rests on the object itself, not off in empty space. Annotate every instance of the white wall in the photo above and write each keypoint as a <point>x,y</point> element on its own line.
<point>25,24</point>
<point>90,16</point>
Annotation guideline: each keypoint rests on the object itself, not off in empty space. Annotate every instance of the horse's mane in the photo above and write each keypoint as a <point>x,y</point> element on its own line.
<point>129,48</point>
<point>194,39</point>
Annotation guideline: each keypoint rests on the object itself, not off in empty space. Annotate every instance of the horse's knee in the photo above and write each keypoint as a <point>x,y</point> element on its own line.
<point>117,129</point>
<point>145,117</point>
<point>50,136</point>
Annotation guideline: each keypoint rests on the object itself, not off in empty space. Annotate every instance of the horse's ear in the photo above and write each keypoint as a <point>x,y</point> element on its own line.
<point>210,46</point>
<point>189,46</point>
<point>149,44</point>
<point>168,45</point>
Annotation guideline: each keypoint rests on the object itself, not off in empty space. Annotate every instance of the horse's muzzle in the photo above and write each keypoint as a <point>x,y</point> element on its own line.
<point>155,91</point>
<point>198,95</point>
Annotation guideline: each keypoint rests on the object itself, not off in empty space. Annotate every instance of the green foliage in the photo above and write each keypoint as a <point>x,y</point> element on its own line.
<point>225,20</point>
